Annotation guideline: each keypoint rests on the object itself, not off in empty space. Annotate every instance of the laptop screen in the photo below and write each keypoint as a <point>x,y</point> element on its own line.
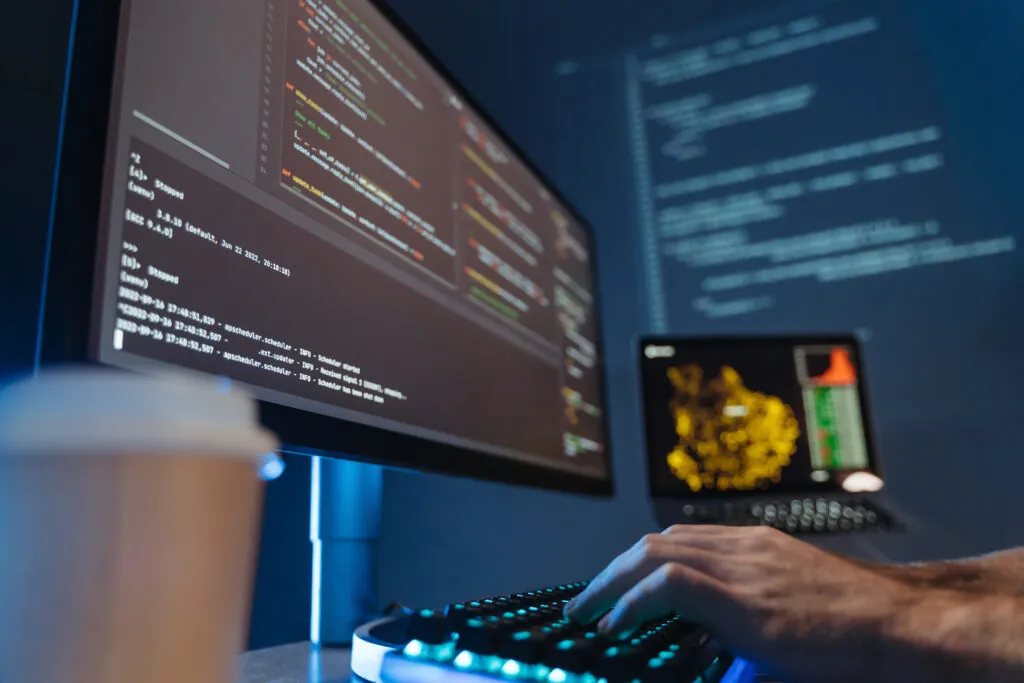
<point>753,415</point>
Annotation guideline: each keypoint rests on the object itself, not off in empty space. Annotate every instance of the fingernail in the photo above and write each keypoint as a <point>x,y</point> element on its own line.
<point>602,625</point>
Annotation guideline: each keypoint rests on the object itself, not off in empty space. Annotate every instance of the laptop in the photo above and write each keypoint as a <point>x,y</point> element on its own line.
<point>768,431</point>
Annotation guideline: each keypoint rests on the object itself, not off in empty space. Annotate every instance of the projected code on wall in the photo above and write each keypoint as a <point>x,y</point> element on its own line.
<point>773,156</point>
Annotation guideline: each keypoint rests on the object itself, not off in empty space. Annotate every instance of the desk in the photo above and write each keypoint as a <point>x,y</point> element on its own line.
<point>295,663</point>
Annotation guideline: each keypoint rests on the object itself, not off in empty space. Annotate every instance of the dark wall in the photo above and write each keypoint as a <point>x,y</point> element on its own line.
<point>31,80</point>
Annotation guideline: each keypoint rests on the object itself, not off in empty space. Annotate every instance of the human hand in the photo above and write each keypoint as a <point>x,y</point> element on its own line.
<point>798,611</point>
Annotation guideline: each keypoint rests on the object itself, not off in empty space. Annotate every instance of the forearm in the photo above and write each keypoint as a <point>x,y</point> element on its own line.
<point>954,637</point>
<point>997,574</point>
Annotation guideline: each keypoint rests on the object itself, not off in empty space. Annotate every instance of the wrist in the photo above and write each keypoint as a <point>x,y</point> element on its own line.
<point>866,638</point>
<point>967,577</point>
<point>951,636</point>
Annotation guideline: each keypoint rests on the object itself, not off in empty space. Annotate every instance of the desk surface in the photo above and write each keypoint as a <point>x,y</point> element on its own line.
<point>295,663</point>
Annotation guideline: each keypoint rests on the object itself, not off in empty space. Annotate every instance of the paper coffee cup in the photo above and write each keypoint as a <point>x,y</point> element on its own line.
<point>129,517</point>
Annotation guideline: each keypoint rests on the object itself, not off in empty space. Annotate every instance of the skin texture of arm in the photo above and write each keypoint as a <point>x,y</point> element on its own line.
<point>997,574</point>
<point>804,614</point>
<point>954,636</point>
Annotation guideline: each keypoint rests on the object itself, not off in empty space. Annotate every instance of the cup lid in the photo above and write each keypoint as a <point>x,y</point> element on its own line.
<point>93,411</point>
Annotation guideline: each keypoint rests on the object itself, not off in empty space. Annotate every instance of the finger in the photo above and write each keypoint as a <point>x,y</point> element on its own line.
<point>644,558</point>
<point>614,580</point>
<point>712,543</point>
<point>671,588</point>
<point>698,529</point>
<point>724,540</point>
<point>705,531</point>
<point>714,567</point>
<point>625,571</point>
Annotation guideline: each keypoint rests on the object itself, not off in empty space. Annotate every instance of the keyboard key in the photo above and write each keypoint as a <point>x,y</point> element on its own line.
<point>479,637</point>
<point>524,646</point>
<point>686,665</point>
<point>457,614</point>
<point>619,664</point>
<point>572,654</point>
<point>427,626</point>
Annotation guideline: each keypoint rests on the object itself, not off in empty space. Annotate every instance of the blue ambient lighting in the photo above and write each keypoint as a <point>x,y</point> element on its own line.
<point>314,533</point>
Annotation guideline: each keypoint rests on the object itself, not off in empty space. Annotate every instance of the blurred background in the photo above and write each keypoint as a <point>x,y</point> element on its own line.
<point>896,124</point>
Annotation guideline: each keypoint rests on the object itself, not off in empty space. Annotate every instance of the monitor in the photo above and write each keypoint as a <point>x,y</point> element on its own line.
<point>295,195</point>
<point>734,417</point>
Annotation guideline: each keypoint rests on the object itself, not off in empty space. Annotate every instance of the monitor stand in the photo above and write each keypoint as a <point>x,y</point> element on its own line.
<point>345,504</point>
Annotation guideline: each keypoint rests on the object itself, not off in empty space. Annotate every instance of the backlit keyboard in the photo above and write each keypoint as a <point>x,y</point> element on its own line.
<point>523,636</point>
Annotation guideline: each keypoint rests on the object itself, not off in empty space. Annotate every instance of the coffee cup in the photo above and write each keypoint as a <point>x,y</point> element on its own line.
<point>129,519</point>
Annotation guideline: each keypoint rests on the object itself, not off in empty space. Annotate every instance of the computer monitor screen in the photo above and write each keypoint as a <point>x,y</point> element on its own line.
<point>728,417</point>
<point>298,198</point>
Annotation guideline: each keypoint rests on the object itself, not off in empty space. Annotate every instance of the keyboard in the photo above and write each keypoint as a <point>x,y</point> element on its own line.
<point>796,516</point>
<point>524,637</point>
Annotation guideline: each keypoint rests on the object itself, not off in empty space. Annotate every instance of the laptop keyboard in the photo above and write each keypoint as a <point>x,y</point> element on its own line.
<point>796,516</point>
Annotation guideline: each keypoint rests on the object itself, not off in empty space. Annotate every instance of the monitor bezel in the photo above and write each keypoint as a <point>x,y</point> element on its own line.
<point>793,340</point>
<point>66,320</point>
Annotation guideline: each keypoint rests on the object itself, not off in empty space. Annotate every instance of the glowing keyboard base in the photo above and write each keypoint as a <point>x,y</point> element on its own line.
<point>401,669</point>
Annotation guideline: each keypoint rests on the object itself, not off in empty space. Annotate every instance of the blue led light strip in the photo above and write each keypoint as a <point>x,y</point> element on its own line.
<point>37,361</point>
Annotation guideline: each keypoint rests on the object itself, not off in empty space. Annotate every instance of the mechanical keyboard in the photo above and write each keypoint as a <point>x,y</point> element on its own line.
<point>798,516</point>
<point>524,637</point>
